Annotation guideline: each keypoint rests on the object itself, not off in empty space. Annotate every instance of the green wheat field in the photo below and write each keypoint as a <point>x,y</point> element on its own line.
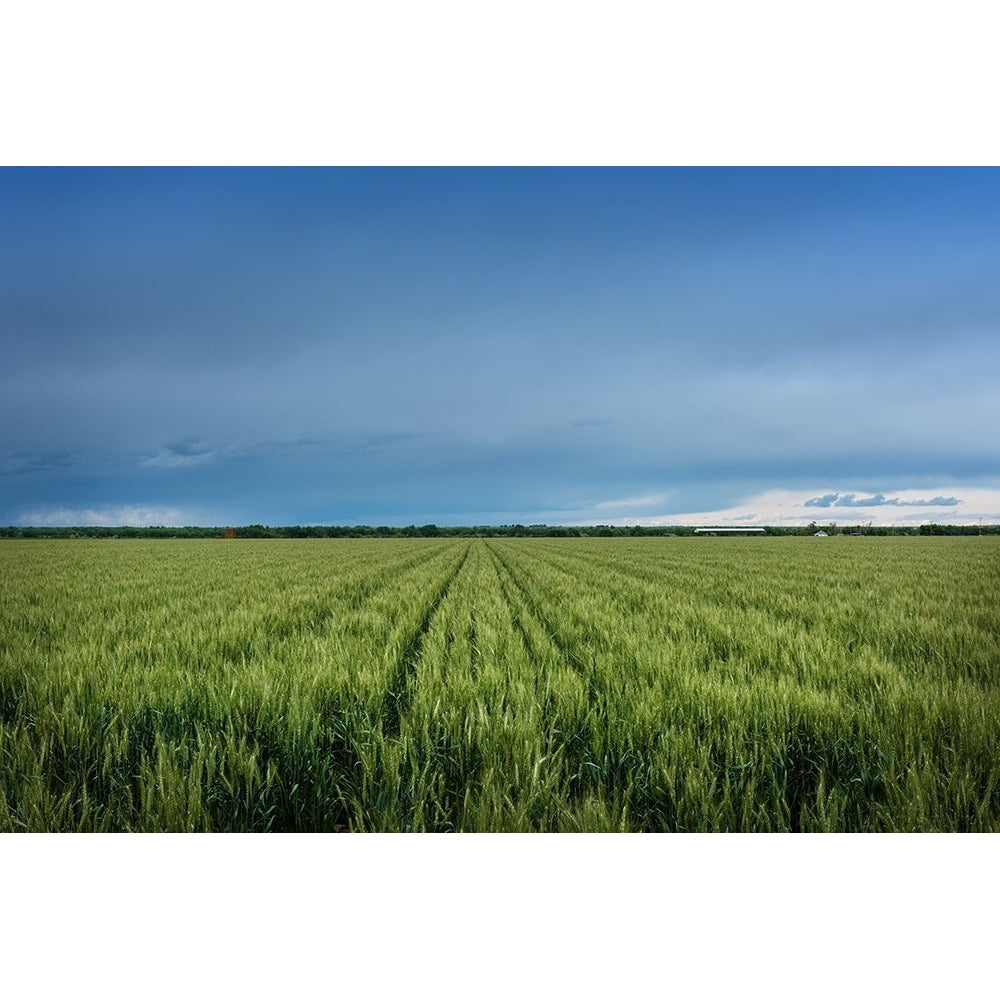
<point>648,684</point>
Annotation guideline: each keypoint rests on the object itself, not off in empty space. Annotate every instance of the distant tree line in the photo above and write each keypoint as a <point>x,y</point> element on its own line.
<point>473,531</point>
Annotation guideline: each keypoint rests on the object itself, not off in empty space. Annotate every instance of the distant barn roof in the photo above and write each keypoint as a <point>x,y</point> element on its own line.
<point>729,531</point>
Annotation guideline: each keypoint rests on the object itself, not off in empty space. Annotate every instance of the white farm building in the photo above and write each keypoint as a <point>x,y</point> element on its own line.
<point>729,531</point>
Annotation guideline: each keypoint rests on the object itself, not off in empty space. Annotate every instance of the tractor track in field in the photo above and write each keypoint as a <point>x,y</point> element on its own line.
<point>569,655</point>
<point>473,647</point>
<point>315,613</point>
<point>563,561</point>
<point>737,600</point>
<point>526,640</point>
<point>399,694</point>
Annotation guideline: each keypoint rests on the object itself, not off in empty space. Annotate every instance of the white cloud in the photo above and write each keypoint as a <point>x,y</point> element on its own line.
<point>106,517</point>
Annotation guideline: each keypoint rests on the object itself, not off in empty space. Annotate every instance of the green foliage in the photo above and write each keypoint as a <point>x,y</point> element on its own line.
<point>509,684</point>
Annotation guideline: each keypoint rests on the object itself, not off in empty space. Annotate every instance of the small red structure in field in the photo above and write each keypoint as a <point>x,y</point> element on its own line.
<point>229,533</point>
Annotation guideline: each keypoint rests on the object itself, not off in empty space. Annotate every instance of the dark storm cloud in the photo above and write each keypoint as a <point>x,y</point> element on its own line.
<point>20,463</point>
<point>188,449</point>
<point>827,500</point>
<point>325,345</point>
<point>179,455</point>
<point>878,500</point>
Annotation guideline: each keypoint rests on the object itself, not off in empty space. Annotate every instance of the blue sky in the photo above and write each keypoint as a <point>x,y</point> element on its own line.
<point>496,346</point>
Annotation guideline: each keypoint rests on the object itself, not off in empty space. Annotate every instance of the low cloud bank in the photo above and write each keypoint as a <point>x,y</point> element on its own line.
<point>789,508</point>
<point>105,517</point>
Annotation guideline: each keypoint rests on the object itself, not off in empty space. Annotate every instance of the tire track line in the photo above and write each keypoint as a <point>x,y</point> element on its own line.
<point>567,653</point>
<point>515,617</point>
<point>399,693</point>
